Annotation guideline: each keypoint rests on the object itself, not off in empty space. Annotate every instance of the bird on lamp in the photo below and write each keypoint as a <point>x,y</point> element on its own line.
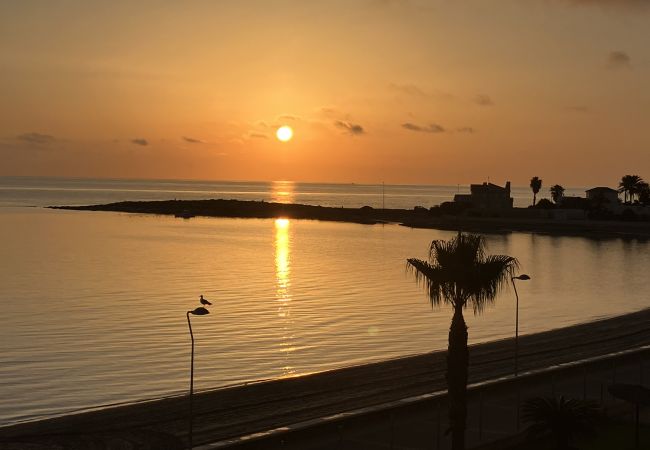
<point>204,301</point>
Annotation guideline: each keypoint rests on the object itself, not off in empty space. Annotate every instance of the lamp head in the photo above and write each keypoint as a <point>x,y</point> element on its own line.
<point>200,311</point>
<point>522,277</point>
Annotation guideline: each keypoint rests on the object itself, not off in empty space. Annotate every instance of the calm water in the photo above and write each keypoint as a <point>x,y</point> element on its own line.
<point>21,191</point>
<point>93,304</point>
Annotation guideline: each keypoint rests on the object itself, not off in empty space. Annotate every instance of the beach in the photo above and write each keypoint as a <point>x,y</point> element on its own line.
<point>262,406</point>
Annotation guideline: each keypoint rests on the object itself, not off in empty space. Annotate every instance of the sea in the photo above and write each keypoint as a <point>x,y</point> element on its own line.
<point>93,304</point>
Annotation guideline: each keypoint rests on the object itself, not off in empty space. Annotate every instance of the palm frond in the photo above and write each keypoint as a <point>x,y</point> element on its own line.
<point>459,251</point>
<point>431,277</point>
<point>459,272</point>
<point>490,276</point>
<point>550,415</point>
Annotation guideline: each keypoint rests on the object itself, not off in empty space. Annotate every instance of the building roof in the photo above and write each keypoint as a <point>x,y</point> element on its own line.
<point>487,187</point>
<point>602,189</point>
<point>463,197</point>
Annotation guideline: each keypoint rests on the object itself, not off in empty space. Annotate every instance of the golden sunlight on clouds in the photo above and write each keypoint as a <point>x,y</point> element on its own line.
<point>446,96</point>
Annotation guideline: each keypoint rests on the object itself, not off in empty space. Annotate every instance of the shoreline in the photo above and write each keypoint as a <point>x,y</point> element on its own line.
<point>235,411</point>
<point>413,218</point>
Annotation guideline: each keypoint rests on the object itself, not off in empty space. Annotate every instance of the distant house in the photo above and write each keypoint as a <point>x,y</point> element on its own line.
<point>603,198</point>
<point>573,202</point>
<point>486,196</point>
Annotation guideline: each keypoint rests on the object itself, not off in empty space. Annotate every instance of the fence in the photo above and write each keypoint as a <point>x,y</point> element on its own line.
<point>494,410</point>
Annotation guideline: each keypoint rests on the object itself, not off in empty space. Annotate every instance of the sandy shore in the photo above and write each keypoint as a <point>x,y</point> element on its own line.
<point>242,410</point>
<point>416,218</point>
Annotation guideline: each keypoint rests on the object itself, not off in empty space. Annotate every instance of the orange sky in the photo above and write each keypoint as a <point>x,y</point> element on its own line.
<point>439,92</point>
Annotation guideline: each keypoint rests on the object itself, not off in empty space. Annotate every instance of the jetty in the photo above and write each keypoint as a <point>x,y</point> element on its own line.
<point>417,217</point>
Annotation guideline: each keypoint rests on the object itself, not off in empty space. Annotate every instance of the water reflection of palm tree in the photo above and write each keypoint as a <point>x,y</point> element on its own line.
<point>460,274</point>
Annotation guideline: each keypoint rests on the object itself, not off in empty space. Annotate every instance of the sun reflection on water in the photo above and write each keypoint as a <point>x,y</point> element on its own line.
<point>282,192</point>
<point>282,290</point>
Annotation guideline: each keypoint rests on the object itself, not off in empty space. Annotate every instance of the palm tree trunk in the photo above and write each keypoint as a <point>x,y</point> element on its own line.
<point>534,198</point>
<point>457,366</point>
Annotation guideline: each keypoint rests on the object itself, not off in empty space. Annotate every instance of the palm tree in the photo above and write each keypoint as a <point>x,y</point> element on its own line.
<point>535,185</point>
<point>629,186</point>
<point>557,192</point>
<point>460,274</point>
<point>562,418</point>
<point>644,194</point>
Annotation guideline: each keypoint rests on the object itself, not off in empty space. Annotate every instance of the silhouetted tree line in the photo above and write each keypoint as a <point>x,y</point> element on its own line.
<point>636,192</point>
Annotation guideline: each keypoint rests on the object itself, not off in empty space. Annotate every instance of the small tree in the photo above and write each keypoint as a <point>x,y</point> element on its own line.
<point>535,185</point>
<point>629,186</point>
<point>557,192</point>
<point>561,418</point>
<point>545,204</point>
<point>644,194</point>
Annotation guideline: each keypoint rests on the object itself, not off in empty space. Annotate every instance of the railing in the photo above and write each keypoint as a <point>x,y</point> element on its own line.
<point>494,410</point>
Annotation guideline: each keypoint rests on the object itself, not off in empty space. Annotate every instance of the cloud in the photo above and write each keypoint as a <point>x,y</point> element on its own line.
<point>329,110</point>
<point>389,3</point>
<point>288,117</point>
<point>403,5</point>
<point>191,140</point>
<point>36,138</point>
<point>483,100</point>
<point>351,128</point>
<point>408,89</point>
<point>413,90</point>
<point>140,141</point>
<point>258,135</point>
<point>467,130</point>
<point>578,109</point>
<point>620,4</point>
<point>332,112</point>
<point>432,128</point>
<point>619,60</point>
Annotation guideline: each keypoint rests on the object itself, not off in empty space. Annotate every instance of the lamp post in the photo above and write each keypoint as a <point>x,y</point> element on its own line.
<point>200,311</point>
<point>522,277</point>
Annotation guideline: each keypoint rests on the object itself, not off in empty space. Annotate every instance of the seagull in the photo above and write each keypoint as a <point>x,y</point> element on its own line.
<point>204,301</point>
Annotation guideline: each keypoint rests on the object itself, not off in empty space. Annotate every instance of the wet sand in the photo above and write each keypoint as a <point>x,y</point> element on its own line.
<point>513,220</point>
<point>256,407</point>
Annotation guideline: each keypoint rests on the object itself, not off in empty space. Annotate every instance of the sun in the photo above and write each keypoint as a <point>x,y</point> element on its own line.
<point>284,133</point>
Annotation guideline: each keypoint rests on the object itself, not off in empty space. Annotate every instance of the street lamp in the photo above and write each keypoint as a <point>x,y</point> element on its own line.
<point>200,311</point>
<point>522,277</point>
